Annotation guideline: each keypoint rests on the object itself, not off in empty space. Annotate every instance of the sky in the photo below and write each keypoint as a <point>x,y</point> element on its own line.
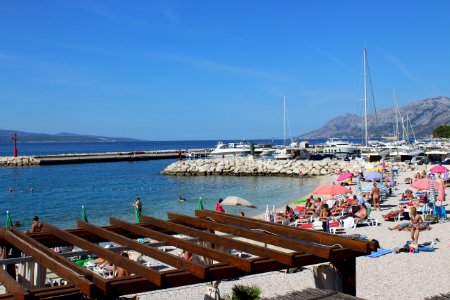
<point>213,70</point>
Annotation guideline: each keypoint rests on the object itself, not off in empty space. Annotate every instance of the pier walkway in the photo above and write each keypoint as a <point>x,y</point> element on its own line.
<point>81,158</point>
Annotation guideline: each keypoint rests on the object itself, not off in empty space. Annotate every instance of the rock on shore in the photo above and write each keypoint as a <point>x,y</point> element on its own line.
<point>20,161</point>
<point>242,166</point>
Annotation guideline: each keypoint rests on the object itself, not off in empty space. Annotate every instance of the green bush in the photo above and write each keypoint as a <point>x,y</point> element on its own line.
<point>242,292</point>
<point>441,132</point>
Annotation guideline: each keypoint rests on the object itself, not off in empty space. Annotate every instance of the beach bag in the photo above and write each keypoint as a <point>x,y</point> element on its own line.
<point>432,218</point>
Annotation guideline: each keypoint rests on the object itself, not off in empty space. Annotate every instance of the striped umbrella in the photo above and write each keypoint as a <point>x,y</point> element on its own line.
<point>8,220</point>
<point>267,214</point>
<point>432,194</point>
<point>358,189</point>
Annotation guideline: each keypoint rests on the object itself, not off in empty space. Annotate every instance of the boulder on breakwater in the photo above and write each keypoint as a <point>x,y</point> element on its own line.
<point>241,166</point>
<point>20,161</point>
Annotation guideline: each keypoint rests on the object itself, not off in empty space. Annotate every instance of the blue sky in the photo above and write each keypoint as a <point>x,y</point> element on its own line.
<point>181,70</point>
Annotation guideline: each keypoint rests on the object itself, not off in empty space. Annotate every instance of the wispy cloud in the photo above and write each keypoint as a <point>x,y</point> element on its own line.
<point>215,66</point>
<point>326,54</point>
<point>402,68</point>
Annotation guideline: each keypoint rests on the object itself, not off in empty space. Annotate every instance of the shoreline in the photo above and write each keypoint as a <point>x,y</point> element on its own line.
<point>321,180</point>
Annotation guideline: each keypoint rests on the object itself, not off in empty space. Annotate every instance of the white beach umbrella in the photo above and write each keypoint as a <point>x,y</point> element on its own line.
<point>237,201</point>
<point>267,215</point>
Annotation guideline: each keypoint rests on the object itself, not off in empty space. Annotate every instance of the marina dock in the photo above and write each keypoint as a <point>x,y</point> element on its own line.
<point>82,158</point>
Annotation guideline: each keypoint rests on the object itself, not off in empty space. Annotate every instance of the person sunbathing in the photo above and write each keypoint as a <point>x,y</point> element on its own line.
<point>399,226</point>
<point>361,214</point>
<point>392,214</point>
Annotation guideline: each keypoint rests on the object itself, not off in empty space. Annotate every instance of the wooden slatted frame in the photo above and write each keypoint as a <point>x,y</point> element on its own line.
<point>132,266</point>
<point>361,246</point>
<point>175,261</point>
<point>13,287</point>
<point>217,255</point>
<point>85,285</point>
<point>280,241</point>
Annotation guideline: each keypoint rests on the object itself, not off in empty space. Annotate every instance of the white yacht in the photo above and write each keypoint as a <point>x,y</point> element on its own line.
<point>333,146</point>
<point>231,149</point>
<point>283,154</point>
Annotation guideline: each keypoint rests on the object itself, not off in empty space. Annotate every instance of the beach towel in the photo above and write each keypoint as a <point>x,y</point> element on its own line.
<point>379,253</point>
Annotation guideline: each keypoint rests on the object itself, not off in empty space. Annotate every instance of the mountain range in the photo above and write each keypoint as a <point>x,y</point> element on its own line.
<point>423,115</point>
<point>6,135</point>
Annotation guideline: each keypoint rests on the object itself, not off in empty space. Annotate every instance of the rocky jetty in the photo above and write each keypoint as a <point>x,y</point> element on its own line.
<point>259,167</point>
<point>20,161</point>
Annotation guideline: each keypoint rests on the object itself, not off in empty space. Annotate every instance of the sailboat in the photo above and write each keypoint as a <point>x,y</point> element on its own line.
<point>369,153</point>
<point>284,153</point>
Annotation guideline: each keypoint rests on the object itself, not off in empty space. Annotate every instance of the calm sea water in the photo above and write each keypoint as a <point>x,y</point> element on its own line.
<point>108,189</point>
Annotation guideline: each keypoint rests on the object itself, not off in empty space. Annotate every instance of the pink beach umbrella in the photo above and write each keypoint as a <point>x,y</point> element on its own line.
<point>424,184</point>
<point>332,190</point>
<point>345,175</point>
<point>439,169</point>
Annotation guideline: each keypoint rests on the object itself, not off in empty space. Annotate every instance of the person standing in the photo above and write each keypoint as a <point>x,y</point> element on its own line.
<point>219,207</point>
<point>376,197</point>
<point>138,209</point>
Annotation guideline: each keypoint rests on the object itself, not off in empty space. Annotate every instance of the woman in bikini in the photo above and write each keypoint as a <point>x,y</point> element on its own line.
<point>415,225</point>
<point>376,197</point>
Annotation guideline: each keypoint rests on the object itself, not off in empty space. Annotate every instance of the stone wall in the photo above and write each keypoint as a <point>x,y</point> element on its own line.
<point>258,167</point>
<point>20,161</point>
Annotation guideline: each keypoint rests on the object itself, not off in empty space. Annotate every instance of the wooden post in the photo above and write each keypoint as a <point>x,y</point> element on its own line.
<point>347,269</point>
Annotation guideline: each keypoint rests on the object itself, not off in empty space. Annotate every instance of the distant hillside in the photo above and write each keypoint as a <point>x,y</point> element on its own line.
<point>6,135</point>
<point>423,114</point>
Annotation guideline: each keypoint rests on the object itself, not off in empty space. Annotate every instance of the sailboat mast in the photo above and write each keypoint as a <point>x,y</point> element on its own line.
<point>284,121</point>
<point>365,101</point>
<point>397,130</point>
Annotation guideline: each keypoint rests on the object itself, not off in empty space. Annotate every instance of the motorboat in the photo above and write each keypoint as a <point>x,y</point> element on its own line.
<point>333,146</point>
<point>231,149</point>
<point>283,153</point>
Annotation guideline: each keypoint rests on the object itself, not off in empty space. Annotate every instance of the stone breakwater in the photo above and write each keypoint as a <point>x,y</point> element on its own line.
<point>259,167</point>
<point>20,161</point>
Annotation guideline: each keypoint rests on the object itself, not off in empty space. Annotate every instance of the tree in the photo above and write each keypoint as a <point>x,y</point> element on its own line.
<point>441,132</point>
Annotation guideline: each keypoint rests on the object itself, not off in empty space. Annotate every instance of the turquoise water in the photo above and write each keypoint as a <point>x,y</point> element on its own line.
<point>108,189</point>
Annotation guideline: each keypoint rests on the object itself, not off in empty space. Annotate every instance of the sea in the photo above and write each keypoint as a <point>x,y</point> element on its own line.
<point>57,193</point>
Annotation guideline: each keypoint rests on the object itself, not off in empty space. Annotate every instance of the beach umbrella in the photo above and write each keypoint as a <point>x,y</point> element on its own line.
<point>438,169</point>
<point>83,214</point>
<point>332,190</point>
<point>423,184</point>
<point>344,176</point>
<point>8,220</point>
<point>432,194</point>
<point>267,214</point>
<point>200,204</point>
<point>358,188</point>
<point>237,201</point>
<point>371,176</point>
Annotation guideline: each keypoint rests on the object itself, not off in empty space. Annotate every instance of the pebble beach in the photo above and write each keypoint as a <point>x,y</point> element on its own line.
<point>391,276</point>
